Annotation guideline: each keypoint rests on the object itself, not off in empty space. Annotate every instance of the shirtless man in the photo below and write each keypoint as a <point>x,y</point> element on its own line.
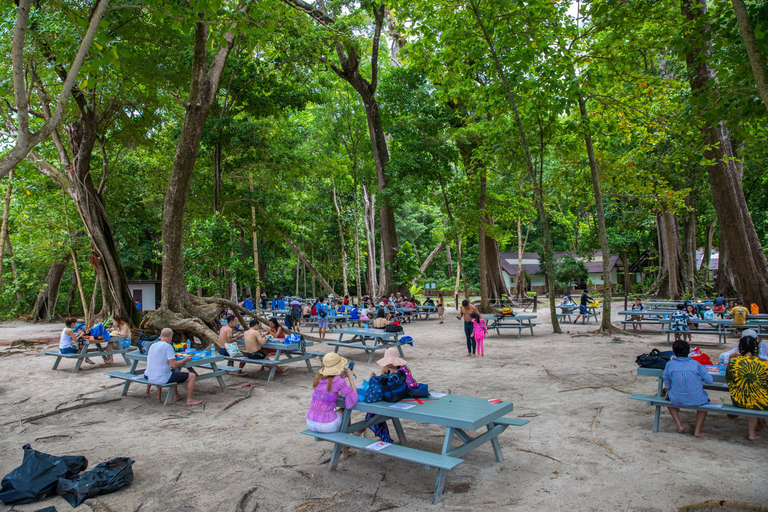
<point>466,312</point>
<point>254,343</point>
<point>226,335</point>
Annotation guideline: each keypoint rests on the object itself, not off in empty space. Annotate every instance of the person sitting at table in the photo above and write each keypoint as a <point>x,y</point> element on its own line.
<point>719,305</point>
<point>248,303</point>
<point>306,312</point>
<point>226,335</point>
<point>747,378</point>
<point>567,301</point>
<point>739,314</point>
<point>119,328</point>
<point>381,319</point>
<point>70,336</point>
<point>583,307</point>
<point>684,379</point>
<point>390,363</point>
<point>161,360</point>
<point>637,306</point>
<point>354,316</point>
<point>364,316</point>
<point>692,313</point>
<point>328,385</point>
<point>679,323</point>
<point>253,342</point>
<point>726,356</point>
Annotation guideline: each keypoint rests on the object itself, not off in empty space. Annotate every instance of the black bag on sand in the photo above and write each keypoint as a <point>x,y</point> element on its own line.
<point>393,328</point>
<point>653,360</point>
<point>38,475</point>
<point>105,478</point>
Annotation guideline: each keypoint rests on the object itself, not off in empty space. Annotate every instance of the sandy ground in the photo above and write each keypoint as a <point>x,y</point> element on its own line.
<point>587,446</point>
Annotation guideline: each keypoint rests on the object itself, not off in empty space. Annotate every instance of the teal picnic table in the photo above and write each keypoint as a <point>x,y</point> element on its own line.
<point>92,348</point>
<point>518,322</point>
<point>457,414</point>
<point>426,311</point>
<point>286,353</point>
<point>379,339</point>
<point>207,363</point>
<point>334,321</point>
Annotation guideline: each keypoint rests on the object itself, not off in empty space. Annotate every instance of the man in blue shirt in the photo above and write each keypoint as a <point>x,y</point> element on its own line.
<point>138,305</point>
<point>248,303</point>
<point>274,303</point>
<point>685,379</point>
<point>322,317</point>
<point>280,303</point>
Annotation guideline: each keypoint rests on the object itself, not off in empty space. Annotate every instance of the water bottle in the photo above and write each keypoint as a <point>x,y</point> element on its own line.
<point>213,349</point>
<point>366,326</point>
<point>189,344</point>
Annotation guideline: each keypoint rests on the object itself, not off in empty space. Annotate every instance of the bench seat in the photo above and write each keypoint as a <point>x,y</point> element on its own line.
<point>429,459</point>
<point>220,367</point>
<point>139,379</point>
<point>659,402</point>
<point>511,422</point>
<point>721,335</point>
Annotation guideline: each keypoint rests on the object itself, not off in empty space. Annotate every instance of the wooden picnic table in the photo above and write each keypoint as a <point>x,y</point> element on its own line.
<point>91,348</point>
<point>207,363</point>
<point>457,414</point>
<point>381,339</point>
<point>518,322</point>
<point>287,353</point>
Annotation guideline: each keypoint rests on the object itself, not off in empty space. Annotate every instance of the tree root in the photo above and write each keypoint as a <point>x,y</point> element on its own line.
<point>599,442</point>
<point>238,400</point>
<point>311,503</point>
<point>537,453</point>
<point>244,499</point>
<point>739,505</point>
<point>61,411</point>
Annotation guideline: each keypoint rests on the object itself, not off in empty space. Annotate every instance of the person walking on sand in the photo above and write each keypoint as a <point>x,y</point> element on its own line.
<point>466,313</point>
<point>440,307</point>
<point>479,331</point>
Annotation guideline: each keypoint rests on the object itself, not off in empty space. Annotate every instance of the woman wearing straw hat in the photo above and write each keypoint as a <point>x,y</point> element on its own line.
<point>328,385</point>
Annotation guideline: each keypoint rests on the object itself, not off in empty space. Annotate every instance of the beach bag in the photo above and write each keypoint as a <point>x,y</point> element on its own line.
<point>709,314</point>
<point>293,338</point>
<point>393,328</point>
<point>372,390</point>
<point>37,477</point>
<point>105,478</point>
<point>697,355</point>
<point>393,386</point>
<point>233,349</point>
<point>145,342</point>
<point>654,359</point>
<point>420,391</point>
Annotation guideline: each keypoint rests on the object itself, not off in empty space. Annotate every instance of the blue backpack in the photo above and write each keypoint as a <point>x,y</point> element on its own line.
<point>394,386</point>
<point>372,391</point>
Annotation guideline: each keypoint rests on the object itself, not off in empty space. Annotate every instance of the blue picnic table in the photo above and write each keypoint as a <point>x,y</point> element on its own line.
<point>360,338</point>
<point>92,348</point>
<point>519,322</point>
<point>457,414</point>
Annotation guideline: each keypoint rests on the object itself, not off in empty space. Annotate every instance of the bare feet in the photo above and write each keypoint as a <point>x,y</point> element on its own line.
<point>105,365</point>
<point>680,430</point>
<point>472,355</point>
<point>754,438</point>
<point>89,361</point>
<point>468,355</point>
<point>700,433</point>
<point>481,355</point>
<point>194,402</point>
<point>176,398</point>
<point>348,454</point>
<point>282,371</point>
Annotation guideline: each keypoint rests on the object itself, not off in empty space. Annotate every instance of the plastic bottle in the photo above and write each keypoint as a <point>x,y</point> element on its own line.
<point>366,326</point>
<point>189,344</point>
<point>213,349</point>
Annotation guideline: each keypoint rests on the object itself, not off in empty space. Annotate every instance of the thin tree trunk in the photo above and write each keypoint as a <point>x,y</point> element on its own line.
<point>358,281</point>
<point>257,295</point>
<point>370,237</point>
<point>88,308</point>
<point>323,283</point>
<point>45,304</point>
<point>448,261</point>
<point>71,295</point>
<point>485,306</point>
<point>14,270</point>
<point>602,232</point>
<point>4,226</point>
<point>756,59</point>
<point>217,177</point>
<point>627,280</point>
<point>689,245</point>
<point>708,244</point>
<point>458,272</point>
<point>314,280</point>
<point>298,274</point>
<point>520,282</point>
<point>427,262</point>
<point>538,194</point>
<point>343,244</point>
<point>746,256</point>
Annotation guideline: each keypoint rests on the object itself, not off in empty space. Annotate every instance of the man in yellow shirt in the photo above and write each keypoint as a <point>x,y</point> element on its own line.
<point>739,315</point>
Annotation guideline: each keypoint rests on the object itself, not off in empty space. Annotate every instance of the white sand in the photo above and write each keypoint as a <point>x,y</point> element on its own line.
<point>195,458</point>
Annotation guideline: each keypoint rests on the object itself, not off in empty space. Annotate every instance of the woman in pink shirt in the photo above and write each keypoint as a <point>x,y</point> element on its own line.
<point>328,385</point>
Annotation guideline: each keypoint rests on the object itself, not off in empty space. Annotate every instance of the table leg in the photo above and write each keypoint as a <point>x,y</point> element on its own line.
<point>272,371</point>
<point>399,430</point>
<point>337,448</point>
<point>56,364</point>
<point>496,445</point>
<point>219,378</point>
<point>127,384</point>
<point>83,354</point>
<point>125,358</point>
<point>309,365</point>
<point>439,484</point>
<point>400,349</point>
<point>656,416</point>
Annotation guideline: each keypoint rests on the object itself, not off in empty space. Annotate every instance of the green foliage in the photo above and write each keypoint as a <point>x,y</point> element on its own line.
<point>569,271</point>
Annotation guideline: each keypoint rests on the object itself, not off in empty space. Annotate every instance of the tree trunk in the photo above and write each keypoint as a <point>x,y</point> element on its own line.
<point>72,295</point>
<point>458,272</point>
<point>756,59</point>
<point>427,262</point>
<point>520,281</point>
<point>538,193</point>
<point>358,281</point>
<point>217,177</point>
<point>4,225</point>
<point>327,287</point>
<point>747,259</point>
<point>627,280</point>
<point>602,232</point>
<point>343,244</point>
<point>724,283</point>
<point>497,287</point>
<point>45,304</point>
<point>257,295</point>
<point>689,245</point>
<point>448,261</point>
<point>708,244</point>
<point>14,271</point>
<point>370,238</point>
<point>485,305</point>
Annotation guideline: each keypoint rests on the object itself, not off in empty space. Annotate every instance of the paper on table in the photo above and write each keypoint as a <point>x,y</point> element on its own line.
<point>712,405</point>
<point>432,394</point>
<point>378,446</point>
<point>402,406</point>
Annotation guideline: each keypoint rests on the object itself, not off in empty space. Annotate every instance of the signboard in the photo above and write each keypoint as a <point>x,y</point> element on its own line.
<point>430,286</point>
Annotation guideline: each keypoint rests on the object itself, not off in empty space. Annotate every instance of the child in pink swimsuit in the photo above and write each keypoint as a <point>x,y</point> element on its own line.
<point>479,330</point>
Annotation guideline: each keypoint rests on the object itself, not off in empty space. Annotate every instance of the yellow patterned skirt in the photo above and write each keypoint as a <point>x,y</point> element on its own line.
<point>747,378</point>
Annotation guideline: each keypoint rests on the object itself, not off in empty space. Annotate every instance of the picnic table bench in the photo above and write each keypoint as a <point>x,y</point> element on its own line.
<point>426,311</point>
<point>718,384</point>
<point>457,414</point>
<point>134,376</point>
<point>86,351</point>
<point>287,353</point>
<point>334,321</point>
<point>518,322</point>
<point>568,310</point>
<point>382,340</point>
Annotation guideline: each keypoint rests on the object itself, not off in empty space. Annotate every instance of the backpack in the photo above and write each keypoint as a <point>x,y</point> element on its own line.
<point>653,360</point>
<point>709,314</point>
<point>393,328</point>
<point>372,391</point>
<point>507,311</point>
<point>394,386</point>
<point>322,313</point>
<point>679,318</point>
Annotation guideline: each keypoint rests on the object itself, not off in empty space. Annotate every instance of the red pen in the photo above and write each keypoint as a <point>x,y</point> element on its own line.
<point>495,401</point>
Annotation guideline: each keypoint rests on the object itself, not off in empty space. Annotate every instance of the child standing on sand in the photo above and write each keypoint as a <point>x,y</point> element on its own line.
<point>479,330</point>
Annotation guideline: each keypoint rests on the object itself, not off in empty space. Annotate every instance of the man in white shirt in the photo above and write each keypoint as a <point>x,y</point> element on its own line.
<point>161,360</point>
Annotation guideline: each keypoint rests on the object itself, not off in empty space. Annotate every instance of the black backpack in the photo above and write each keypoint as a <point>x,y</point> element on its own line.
<point>653,360</point>
<point>322,313</point>
<point>393,328</point>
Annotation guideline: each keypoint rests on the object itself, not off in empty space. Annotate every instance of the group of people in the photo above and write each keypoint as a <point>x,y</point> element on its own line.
<point>74,332</point>
<point>746,376</point>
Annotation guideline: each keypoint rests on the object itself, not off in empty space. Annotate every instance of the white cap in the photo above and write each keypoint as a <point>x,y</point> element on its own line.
<point>749,332</point>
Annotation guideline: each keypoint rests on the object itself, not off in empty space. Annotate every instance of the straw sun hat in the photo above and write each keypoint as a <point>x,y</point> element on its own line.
<point>333,364</point>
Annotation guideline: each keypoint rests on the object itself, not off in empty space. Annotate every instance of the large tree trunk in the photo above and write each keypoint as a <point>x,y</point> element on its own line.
<point>724,283</point>
<point>746,257</point>
<point>4,225</point>
<point>538,193</point>
<point>602,232</point>
<point>756,59</point>
<point>485,306</point>
<point>497,287</point>
<point>45,304</point>
<point>448,262</point>
<point>689,245</point>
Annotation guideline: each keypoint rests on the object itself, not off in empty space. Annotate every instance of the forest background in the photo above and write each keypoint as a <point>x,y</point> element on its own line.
<point>232,147</point>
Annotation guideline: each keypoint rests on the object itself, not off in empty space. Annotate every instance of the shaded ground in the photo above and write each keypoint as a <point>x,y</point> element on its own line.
<point>587,446</point>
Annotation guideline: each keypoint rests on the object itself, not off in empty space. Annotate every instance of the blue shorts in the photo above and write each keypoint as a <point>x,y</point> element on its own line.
<point>322,323</point>
<point>583,310</point>
<point>223,352</point>
<point>178,377</point>
<point>69,350</point>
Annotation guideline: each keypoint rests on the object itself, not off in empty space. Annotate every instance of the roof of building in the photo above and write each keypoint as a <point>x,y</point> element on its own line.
<point>531,262</point>
<point>714,259</point>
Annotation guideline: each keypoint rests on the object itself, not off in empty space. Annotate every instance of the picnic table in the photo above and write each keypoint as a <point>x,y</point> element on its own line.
<point>657,317</point>
<point>287,353</point>
<point>457,414</point>
<point>426,311</point>
<point>91,348</point>
<point>334,321</point>
<point>518,322</point>
<point>408,314</point>
<point>279,313</point>
<point>566,310</point>
<point>208,363</point>
<point>381,339</point>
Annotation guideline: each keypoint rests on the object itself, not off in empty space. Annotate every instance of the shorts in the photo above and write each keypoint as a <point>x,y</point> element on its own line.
<point>257,355</point>
<point>178,377</point>
<point>325,428</point>
<point>678,328</point>
<point>306,317</point>
<point>223,352</point>
<point>69,350</point>
<point>583,310</point>
<point>322,323</point>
